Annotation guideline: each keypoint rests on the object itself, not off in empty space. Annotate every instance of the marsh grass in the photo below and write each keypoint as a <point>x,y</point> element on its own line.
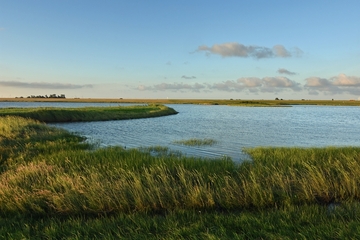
<point>49,114</point>
<point>50,173</point>
<point>196,142</point>
<point>56,173</point>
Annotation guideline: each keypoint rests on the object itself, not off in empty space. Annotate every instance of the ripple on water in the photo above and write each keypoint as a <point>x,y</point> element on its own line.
<point>232,127</point>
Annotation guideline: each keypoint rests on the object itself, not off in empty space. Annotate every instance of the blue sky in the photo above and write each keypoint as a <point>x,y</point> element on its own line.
<point>180,49</point>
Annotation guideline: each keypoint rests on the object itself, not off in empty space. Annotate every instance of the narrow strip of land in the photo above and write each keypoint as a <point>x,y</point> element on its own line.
<point>235,102</point>
<point>50,115</point>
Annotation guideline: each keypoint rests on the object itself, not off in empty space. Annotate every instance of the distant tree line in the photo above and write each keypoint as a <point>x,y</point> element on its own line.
<point>46,96</point>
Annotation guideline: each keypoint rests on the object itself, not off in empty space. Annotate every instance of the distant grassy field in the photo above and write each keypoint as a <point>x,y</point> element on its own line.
<point>239,102</point>
<point>49,114</point>
<point>54,186</point>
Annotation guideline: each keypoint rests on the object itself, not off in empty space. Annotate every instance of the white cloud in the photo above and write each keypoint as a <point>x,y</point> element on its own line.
<point>317,82</point>
<point>343,80</point>
<point>313,85</point>
<point>234,49</point>
<point>280,51</point>
<point>42,85</point>
<point>273,84</point>
<point>142,88</point>
<point>228,86</point>
<point>251,84</point>
<point>278,82</point>
<point>335,85</point>
<point>172,87</point>
<point>267,84</point>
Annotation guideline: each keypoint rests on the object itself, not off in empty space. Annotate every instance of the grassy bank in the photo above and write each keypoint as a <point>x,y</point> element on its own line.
<point>54,185</point>
<point>232,102</point>
<point>50,114</point>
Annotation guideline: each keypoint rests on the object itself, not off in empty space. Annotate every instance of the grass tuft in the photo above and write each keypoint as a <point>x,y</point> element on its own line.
<point>196,142</point>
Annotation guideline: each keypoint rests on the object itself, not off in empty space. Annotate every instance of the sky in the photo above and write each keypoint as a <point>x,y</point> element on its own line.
<point>180,49</point>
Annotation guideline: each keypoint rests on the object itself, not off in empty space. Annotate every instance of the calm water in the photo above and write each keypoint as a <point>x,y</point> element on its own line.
<point>232,127</point>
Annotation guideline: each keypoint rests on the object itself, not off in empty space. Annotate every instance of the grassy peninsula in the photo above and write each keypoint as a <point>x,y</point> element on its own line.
<point>53,185</point>
<point>51,114</point>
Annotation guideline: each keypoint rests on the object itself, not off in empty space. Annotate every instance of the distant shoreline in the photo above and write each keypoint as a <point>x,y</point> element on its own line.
<point>235,102</point>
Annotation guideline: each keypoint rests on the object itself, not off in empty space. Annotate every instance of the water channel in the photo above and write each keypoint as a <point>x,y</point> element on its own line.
<point>234,128</point>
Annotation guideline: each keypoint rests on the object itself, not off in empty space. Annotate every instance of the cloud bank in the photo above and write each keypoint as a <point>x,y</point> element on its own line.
<point>335,85</point>
<point>314,85</point>
<point>252,84</point>
<point>234,49</point>
<point>42,85</point>
<point>256,85</point>
<point>196,87</point>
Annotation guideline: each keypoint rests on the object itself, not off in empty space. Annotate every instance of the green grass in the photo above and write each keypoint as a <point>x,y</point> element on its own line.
<point>50,114</point>
<point>196,142</point>
<point>53,185</point>
<point>305,222</point>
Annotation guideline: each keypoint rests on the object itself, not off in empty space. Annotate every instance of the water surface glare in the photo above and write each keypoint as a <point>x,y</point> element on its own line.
<point>232,127</point>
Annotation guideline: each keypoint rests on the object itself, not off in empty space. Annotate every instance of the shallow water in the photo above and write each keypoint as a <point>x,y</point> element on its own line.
<point>232,127</point>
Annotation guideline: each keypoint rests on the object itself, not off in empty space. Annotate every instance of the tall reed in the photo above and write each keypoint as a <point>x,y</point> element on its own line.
<point>55,173</point>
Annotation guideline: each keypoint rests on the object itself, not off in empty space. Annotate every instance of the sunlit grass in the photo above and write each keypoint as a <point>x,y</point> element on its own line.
<point>50,175</point>
<point>196,142</point>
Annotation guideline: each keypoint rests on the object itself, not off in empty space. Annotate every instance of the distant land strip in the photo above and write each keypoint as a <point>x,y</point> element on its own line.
<point>235,102</point>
